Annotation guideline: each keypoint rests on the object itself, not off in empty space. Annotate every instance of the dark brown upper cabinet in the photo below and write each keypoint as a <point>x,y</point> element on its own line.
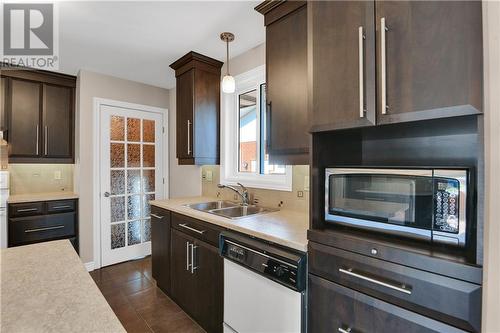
<point>24,132</point>
<point>286,81</point>
<point>343,72</point>
<point>426,63</point>
<point>198,109</point>
<point>39,116</point>
<point>433,59</point>
<point>3,93</point>
<point>57,122</point>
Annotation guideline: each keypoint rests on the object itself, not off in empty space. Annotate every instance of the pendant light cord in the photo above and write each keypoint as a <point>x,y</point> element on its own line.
<point>227,56</point>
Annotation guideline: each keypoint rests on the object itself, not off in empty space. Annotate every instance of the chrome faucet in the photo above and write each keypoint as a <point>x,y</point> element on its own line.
<point>243,193</point>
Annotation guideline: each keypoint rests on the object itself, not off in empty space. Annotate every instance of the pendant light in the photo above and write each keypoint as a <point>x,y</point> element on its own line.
<point>228,84</point>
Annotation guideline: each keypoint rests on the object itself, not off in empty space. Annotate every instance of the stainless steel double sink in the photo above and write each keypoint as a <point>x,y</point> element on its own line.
<point>230,209</point>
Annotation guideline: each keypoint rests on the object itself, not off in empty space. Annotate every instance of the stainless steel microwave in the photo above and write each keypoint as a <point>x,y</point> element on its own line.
<point>425,204</point>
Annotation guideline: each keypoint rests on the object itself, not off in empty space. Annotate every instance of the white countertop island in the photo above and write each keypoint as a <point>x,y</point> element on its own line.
<point>45,288</point>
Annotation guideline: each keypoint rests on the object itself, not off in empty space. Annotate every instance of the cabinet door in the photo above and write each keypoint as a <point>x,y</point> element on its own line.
<point>3,94</point>
<point>433,59</point>
<point>24,119</point>
<point>343,64</point>
<point>185,91</point>
<point>286,66</point>
<point>209,274</point>
<point>160,247</point>
<point>57,121</point>
<point>334,308</point>
<point>183,282</point>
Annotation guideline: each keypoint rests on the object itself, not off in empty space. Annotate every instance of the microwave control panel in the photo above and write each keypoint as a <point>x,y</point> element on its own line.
<point>446,204</point>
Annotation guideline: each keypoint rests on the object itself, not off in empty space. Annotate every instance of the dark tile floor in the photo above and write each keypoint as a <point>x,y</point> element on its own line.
<point>138,303</point>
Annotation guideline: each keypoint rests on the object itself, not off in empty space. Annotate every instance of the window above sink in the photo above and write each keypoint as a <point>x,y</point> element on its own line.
<point>244,155</point>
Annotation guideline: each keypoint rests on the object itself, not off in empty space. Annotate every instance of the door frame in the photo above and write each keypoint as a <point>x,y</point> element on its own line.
<point>96,153</point>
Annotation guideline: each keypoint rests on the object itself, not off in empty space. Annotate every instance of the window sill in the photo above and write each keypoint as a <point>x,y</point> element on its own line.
<point>265,182</point>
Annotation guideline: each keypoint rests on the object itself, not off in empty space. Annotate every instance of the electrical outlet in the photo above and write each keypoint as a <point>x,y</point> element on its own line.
<point>300,194</point>
<point>57,175</point>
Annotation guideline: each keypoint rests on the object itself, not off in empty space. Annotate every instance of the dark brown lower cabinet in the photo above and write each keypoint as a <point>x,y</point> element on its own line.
<point>334,308</point>
<point>186,265</point>
<point>210,286</point>
<point>160,247</point>
<point>183,281</point>
<point>197,280</point>
<point>35,222</point>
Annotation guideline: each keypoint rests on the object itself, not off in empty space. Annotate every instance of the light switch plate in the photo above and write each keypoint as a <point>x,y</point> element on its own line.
<point>306,183</point>
<point>209,175</point>
<point>57,175</point>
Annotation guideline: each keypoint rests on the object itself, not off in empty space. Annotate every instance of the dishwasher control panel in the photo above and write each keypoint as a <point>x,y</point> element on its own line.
<point>277,264</point>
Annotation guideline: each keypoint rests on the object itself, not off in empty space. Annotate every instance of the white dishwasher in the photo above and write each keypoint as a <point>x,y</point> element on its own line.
<point>264,287</point>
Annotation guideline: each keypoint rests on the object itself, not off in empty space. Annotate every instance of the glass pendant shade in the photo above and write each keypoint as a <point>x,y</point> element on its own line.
<point>228,84</point>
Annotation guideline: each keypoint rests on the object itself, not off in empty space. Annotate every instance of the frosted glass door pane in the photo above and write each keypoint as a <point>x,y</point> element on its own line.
<point>132,179</point>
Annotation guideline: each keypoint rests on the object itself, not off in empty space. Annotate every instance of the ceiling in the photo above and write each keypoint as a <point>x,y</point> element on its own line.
<point>139,40</point>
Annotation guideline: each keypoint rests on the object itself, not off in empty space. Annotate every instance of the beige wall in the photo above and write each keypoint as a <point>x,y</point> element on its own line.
<point>491,293</point>
<point>184,179</point>
<point>246,61</point>
<point>36,178</point>
<point>267,198</point>
<point>90,85</point>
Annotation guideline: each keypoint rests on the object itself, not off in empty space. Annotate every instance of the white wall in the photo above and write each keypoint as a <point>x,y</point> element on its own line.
<point>491,291</point>
<point>185,180</point>
<point>90,85</point>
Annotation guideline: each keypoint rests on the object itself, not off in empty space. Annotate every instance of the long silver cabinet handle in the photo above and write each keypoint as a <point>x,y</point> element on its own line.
<point>156,216</point>
<point>187,256</point>
<point>185,226</point>
<point>344,330</point>
<point>46,148</point>
<point>361,38</point>
<point>44,229</point>
<point>37,139</point>
<point>383,64</point>
<point>25,210</point>
<point>193,267</point>
<point>401,288</point>
<point>61,207</point>
<point>189,137</point>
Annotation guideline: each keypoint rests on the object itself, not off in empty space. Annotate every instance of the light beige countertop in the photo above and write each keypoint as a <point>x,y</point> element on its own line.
<point>45,196</point>
<point>285,227</point>
<point>45,288</point>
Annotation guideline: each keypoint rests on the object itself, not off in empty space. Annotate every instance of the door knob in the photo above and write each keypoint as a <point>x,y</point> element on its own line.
<point>107,194</point>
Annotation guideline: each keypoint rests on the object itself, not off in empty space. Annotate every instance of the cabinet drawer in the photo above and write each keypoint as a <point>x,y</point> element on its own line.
<point>40,228</point>
<point>26,209</point>
<point>453,301</point>
<point>334,308</point>
<point>196,228</point>
<point>60,206</point>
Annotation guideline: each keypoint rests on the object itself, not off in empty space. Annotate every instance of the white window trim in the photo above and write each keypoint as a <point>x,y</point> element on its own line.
<point>229,138</point>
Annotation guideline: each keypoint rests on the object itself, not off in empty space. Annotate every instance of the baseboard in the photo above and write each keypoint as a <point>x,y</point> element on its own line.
<point>89,266</point>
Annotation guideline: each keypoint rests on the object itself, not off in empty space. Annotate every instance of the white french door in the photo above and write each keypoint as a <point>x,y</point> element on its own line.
<point>131,174</point>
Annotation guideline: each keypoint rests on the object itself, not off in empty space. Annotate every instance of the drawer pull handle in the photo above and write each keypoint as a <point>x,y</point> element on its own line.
<point>25,210</point>
<point>156,216</point>
<point>185,226</point>
<point>61,207</point>
<point>400,288</point>
<point>44,229</point>
<point>344,330</point>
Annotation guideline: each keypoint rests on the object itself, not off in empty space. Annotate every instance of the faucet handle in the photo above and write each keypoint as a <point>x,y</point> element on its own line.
<point>242,187</point>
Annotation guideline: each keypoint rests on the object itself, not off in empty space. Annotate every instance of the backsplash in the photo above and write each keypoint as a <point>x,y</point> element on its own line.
<point>37,178</point>
<point>269,198</point>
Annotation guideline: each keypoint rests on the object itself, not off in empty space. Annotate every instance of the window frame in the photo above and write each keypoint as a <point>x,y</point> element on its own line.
<point>245,82</point>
